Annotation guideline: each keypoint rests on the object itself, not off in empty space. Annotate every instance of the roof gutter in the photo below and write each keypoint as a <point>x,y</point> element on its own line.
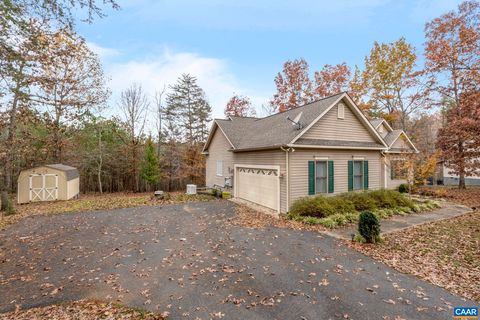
<point>335,147</point>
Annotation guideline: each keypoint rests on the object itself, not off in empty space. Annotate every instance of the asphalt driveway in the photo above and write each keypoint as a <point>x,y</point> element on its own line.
<point>185,259</point>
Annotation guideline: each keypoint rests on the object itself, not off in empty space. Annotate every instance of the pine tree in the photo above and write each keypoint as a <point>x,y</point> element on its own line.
<point>187,112</point>
<point>149,168</point>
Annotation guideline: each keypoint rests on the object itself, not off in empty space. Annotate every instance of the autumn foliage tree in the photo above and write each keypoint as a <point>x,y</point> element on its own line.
<point>69,83</point>
<point>332,79</point>
<point>452,53</point>
<point>391,83</point>
<point>239,106</point>
<point>294,87</point>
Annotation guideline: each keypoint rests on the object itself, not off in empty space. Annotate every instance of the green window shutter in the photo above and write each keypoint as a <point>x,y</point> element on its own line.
<point>350,175</point>
<point>311,177</point>
<point>365,175</point>
<point>331,188</point>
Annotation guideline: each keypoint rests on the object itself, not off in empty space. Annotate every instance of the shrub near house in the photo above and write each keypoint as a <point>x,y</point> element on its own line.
<point>345,208</point>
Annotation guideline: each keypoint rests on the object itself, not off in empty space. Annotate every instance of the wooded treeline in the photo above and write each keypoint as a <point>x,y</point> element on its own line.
<point>53,92</point>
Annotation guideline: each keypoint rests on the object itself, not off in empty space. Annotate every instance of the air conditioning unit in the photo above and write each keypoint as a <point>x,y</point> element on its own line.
<point>191,189</point>
<point>228,182</point>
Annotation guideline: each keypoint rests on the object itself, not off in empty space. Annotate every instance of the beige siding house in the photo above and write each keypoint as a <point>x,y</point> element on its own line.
<point>325,147</point>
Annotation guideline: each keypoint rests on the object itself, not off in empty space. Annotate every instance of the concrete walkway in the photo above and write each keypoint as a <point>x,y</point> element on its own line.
<point>396,223</point>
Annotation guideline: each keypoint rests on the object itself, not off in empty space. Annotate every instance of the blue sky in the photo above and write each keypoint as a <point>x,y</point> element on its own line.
<point>239,46</point>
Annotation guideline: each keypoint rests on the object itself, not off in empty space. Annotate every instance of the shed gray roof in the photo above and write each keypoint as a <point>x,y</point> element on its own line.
<point>70,172</point>
<point>275,130</point>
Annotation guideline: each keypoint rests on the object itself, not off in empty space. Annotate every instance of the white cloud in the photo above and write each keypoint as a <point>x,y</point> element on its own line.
<point>102,52</point>
<point>155,72</point>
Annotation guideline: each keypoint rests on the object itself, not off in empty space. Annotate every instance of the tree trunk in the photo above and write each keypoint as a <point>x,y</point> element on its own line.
<point>4,200</point>
<point>461,180</point>
<point>12,127</point>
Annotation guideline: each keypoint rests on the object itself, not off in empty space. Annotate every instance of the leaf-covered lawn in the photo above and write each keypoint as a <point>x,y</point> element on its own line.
<point>445,253</point>
<point>469,197</point>
<point>82,310</point>
<point>91,202</point>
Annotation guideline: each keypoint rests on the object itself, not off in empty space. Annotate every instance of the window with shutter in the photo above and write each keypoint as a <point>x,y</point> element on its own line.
<point>320,177</point>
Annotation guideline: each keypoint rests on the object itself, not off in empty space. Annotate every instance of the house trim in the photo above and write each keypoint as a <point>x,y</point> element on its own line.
<point>210,137</point>
<point>334,147</point>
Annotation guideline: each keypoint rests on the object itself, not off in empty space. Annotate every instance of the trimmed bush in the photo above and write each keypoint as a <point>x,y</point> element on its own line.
<point>403,188</point>
<point>341,205</point>
<point>318,207</point>
<point>360,200</point>
<point>369,227</point>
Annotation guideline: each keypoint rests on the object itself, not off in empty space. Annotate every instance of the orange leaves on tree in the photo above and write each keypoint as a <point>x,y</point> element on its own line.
<point>294,87</point>
<point>239,106</point>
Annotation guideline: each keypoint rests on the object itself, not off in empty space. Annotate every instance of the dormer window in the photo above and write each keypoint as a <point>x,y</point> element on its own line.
<point>341,110</point>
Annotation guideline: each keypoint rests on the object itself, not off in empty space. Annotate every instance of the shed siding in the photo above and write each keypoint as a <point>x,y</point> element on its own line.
<point>348,129</point>
<point>218,150</point>
<point>23,191</point>
<point>73,187</point>
<point>273,157</point>
<point>299,169</point>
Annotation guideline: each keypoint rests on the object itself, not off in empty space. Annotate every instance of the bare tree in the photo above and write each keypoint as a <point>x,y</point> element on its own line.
<point>134,106</point>
<point>159,113</point>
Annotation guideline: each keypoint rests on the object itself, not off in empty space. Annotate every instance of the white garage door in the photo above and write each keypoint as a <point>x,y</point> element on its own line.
<point>258,184</point>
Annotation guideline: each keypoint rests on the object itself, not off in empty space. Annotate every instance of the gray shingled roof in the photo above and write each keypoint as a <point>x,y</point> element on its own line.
<point>70,172</point>
<point>338,143</point>
<point>392,136</point>
<point>376,122</point>
<point>274,130</point>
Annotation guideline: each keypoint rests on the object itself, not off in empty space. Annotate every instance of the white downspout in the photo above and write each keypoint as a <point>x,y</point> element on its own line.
<point>287,175</point>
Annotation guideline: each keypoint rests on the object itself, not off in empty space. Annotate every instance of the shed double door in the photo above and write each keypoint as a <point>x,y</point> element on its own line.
<point>43,187</point>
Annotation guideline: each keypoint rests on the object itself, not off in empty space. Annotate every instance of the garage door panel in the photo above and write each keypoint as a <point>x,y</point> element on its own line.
<point>258,185</point>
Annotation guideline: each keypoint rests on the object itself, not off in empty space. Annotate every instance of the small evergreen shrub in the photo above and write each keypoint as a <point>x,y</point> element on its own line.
<point>9,210</point>
<point>403,188</point>
<point>369,227</point>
